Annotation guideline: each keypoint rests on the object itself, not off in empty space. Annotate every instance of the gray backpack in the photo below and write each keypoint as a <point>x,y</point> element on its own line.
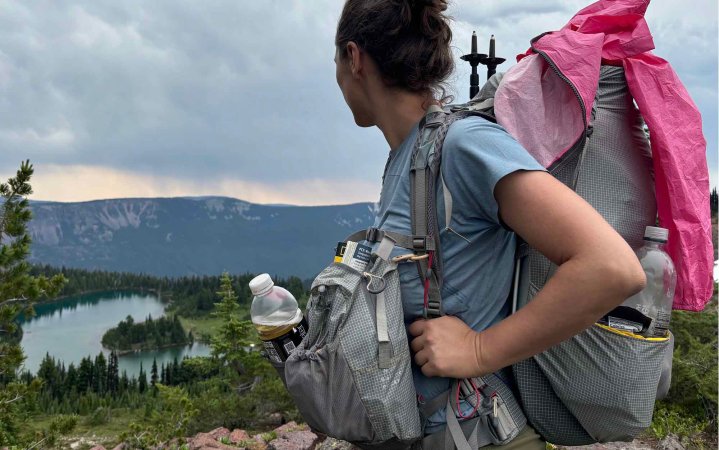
<point>600,385</point>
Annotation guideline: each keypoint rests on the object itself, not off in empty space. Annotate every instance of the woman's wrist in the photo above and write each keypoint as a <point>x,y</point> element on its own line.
<point>479,354</point>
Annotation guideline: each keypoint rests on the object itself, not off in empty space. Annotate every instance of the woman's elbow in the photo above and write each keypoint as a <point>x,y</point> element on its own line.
<point>625,274</point>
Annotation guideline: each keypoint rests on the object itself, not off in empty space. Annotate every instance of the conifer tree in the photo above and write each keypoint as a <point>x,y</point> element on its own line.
<point>234,335</point>
<point>153,375</point>
<point>100,374</point>
<point>142,380</point>
<point>113,378</point>
<point>18,291</point>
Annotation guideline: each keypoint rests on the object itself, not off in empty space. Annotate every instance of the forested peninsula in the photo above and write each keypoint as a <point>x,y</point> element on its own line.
<point>151,334</point>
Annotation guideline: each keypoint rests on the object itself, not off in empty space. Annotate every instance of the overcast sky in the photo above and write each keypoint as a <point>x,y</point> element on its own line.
<point>238,98</point>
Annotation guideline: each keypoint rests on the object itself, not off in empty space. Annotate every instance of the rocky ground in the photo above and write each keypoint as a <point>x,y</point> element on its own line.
<point>292,436</point>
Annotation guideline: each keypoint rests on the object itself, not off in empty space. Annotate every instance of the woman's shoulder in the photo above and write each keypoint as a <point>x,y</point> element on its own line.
<point>477,132</point>
<point>475,139</point>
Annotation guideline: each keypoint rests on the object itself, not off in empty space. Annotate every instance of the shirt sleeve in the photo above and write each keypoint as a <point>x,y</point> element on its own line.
<point>477,154</point>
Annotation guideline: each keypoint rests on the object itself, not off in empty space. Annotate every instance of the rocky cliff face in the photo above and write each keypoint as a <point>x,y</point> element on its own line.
<point>191,236</point>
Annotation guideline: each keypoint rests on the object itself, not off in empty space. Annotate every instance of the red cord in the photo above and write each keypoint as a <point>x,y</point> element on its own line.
<point>476,406</point>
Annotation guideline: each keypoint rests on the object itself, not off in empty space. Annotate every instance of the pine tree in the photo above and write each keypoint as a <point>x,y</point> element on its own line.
<point>142,380</point>
<point>713,201</point>
<point>234,335</point>
<point>18,291</point>
<point>100,374</point>
<point>113,380</point>
<point>163,375</point>
<point>153,375</point>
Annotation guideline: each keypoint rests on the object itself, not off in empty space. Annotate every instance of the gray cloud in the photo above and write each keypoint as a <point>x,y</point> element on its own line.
<point>244,90</point>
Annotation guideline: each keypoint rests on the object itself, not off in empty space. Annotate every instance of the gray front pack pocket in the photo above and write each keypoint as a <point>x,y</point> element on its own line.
<point>351,376</point>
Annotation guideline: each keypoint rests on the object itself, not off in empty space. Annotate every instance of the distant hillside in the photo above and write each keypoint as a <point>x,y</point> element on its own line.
<point>187,236</point>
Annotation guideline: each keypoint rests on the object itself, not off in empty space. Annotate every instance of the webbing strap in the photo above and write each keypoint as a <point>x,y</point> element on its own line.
<point>422,196</point>
<point>385,348</point>
<point>385,247</point>
<point>373,235</point>
<point>454,434</point>
<point>447,202</point>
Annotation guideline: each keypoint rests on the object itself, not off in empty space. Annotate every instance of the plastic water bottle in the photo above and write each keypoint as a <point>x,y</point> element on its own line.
<point>655,300</point>
<point>277,318</point>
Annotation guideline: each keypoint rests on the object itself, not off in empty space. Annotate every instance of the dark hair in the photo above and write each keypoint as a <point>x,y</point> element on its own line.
<point>409,40</point>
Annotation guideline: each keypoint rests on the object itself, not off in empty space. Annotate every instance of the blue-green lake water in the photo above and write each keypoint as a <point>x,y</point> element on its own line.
<point>72,328</point>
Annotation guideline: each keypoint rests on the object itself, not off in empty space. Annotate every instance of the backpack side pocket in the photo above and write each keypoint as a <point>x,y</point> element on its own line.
<point>607,379</point>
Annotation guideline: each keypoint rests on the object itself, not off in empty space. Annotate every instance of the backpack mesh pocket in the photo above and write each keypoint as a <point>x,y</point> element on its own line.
<point>334,375</point>
<point>605,379</point>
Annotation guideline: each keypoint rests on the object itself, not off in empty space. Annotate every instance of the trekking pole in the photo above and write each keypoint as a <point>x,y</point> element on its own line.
<point>474,58</point>
<point>492,61</point>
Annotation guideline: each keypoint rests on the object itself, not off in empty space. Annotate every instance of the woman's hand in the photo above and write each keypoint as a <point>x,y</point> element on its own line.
<point>445,347</point>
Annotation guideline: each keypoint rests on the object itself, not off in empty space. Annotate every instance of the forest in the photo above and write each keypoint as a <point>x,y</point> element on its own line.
<point>190,296</point>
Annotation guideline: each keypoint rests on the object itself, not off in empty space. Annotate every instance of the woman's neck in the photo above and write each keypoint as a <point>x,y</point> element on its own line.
<point>397,112</point>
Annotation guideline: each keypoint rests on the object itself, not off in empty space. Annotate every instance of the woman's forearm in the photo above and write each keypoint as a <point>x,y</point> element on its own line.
<point>578,294</point>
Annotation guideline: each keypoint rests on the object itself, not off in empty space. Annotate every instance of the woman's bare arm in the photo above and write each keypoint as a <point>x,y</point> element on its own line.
<point>597,271</point>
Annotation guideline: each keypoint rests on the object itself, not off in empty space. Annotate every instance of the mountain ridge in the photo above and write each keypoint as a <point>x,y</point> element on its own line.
<point>175,236</point>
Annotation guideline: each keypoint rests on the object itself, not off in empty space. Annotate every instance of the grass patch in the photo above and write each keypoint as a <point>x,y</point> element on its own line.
<point>203,328</point>
<point>105,434</point>
<point>690,409</point>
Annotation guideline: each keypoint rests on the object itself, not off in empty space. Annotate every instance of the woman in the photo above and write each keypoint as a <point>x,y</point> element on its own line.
<point>392,57</point>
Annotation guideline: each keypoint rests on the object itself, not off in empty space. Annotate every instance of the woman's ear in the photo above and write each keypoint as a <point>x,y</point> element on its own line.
<point>354,54</point>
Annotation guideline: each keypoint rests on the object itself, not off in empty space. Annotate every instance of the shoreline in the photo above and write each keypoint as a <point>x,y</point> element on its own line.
<point>143,349</point>
<point>155,291</point>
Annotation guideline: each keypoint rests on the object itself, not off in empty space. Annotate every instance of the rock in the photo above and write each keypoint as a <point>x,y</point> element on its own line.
<point>294,440</point>
<point>289,426</point>
<point>634,445</point>
<point>119,447</point>
<point>671,442</point>
<point>275,419</point>
<point>98,447</point>
<point>334,444</point>
<point>205,441</point>
<point>261,444</point>
<point>219,433</point>
<point>239,435</point>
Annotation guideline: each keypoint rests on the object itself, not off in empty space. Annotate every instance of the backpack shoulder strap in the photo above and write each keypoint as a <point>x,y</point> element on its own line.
<point>425,173</point>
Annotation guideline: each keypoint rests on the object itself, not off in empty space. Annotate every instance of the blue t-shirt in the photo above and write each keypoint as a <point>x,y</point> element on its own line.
<point>478,252</point>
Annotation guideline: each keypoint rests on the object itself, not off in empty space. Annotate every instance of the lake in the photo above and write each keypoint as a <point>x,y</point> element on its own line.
<point>72,328</point>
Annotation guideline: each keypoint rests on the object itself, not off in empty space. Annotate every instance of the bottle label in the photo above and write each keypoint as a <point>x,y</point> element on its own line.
<point>279,349</point>
<point>661,325</point>
<point>624,324</point>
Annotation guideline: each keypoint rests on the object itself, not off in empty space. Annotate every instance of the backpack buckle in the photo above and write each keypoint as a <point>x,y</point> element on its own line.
<point>373,234</point>
<point>419,242</point>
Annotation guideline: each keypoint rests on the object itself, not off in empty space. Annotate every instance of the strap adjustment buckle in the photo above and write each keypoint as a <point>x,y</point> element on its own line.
<point>373,234</point>
<point>419,242</point>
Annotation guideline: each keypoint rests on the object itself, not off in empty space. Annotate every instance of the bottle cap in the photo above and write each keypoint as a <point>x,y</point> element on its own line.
<point>261,284</point>
<point>656,234</point>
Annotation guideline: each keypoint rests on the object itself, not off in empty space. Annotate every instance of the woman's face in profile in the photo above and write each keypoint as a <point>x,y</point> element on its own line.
<point>351,90</point>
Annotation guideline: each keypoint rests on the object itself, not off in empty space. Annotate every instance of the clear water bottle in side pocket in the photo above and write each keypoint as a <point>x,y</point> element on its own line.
<point>277,318</point>
<point>648,312</point>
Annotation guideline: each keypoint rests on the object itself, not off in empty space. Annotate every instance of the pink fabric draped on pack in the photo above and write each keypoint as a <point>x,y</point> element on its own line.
<point>614,32</point>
